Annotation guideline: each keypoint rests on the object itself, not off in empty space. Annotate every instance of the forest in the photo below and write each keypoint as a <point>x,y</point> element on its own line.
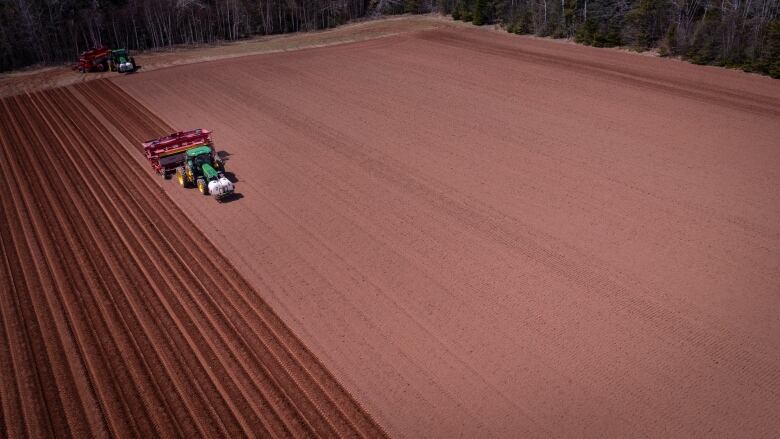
<point>733,33</point>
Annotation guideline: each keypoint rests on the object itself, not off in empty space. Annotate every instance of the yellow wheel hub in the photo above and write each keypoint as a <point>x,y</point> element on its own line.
<point>180,177</point>
<point>201,187</point>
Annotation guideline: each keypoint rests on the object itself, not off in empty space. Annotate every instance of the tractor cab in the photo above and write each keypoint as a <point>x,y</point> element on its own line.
<point>120,54</point>
<point>201,160</point>
<point>198,156</point>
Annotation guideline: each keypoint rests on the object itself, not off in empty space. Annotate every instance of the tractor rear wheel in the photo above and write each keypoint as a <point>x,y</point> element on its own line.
<point>181,177</point>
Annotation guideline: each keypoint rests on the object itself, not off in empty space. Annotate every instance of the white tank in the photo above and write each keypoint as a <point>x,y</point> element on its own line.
<point>220,187</point>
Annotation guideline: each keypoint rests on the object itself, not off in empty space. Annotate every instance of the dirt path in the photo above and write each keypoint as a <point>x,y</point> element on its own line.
<point>118,317</point>
<point>485,235</point>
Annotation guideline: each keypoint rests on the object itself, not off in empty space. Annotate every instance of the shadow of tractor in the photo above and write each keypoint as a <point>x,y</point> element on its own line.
<point>235,196</point>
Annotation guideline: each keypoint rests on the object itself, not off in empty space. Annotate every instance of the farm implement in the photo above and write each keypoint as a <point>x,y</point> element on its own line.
<point>190,156</point>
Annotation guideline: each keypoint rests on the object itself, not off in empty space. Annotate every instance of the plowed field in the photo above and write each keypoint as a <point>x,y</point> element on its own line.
<point>490,235</point>
<point>473,234</point>
<point>119,317</point>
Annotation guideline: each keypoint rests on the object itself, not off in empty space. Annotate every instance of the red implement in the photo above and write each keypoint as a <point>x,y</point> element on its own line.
<point>94,59</point>
<point>167,153</point>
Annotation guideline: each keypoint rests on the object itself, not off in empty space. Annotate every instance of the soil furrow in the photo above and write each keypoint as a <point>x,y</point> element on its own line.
<point>306,376</point>
<point>129,373</point>
<point>12,400</point>
<point>184,328</point>
<point>81,411</point>
<point>74,279</point>
<point>207,324</point>
<point>214,285</point>
<point>160,339</point>
<point>156,341</point>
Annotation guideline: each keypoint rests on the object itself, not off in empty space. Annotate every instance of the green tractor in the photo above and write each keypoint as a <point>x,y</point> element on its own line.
<point>120,61</point>
<point>205,171</point>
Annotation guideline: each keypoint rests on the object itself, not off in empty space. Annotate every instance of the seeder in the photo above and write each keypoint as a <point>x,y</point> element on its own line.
<point>190,155</point>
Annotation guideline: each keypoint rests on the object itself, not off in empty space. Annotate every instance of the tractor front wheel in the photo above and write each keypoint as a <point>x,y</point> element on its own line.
<point>202,187</point>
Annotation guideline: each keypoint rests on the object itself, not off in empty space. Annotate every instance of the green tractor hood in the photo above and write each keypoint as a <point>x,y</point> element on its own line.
<point>209,172</point>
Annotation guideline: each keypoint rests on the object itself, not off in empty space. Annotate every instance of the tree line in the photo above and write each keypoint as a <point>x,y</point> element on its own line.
<point>47,31</point>
<point>730,33</point>
<point>734,33</point>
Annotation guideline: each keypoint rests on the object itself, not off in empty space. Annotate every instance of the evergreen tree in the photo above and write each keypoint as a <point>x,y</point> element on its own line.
<point>412,6</point>
<point>645,23</point>
<point>480,12</point>
<point>769,62</point>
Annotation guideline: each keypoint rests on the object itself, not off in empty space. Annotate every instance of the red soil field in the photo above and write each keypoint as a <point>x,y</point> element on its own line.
<point>118,318</point>
<point>486,235</point>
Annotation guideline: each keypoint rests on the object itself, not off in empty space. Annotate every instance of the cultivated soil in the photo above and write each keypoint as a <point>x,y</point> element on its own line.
<point>118,317</point>
<point>448,232</point>
<point>485,235</point>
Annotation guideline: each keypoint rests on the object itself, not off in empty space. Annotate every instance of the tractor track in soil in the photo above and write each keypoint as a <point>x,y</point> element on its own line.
<point>122,318</point>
